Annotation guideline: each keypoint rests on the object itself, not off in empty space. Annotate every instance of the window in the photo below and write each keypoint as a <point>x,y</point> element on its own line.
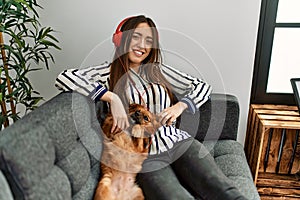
<point>277,58</point>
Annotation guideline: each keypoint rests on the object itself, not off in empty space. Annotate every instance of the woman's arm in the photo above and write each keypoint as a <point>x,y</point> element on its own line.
<point>194,90</point>
<point>91,82</point>
<point>118,113</point>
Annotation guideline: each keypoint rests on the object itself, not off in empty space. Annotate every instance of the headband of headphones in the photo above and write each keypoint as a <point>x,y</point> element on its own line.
<point>117,36</point>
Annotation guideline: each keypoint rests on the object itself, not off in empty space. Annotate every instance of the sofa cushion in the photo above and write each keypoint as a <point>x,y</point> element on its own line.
<point>87,190</point>
<point>55,185</point>
<point>230,157</point>
<point>77,167</point>
<point>36,147</point>
<point>247,188</point>
<point>27,160</point>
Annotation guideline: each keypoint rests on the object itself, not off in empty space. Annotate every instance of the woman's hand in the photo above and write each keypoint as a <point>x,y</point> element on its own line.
<point>168,115</point>
<point>120,119</point>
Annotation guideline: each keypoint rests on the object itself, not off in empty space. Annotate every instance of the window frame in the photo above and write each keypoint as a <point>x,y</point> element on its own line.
<point>265,37</point>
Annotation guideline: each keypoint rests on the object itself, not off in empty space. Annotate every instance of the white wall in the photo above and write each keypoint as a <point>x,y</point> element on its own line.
<point>212,39</point>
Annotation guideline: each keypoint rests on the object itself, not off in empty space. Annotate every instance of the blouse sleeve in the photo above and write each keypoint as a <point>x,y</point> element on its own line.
<point>195,91</point>
<point>91,82</point>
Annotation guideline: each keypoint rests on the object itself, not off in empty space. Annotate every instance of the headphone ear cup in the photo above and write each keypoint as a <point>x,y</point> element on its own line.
<point>117,37</point>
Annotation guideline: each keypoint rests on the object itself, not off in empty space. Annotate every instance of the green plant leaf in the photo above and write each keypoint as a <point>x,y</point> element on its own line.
<point>26,42</point>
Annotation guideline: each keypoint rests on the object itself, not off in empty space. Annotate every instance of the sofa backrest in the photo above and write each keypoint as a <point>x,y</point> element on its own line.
<point>217,119</point>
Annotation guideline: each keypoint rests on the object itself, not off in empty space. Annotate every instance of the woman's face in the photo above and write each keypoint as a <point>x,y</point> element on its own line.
<point>140,45</point>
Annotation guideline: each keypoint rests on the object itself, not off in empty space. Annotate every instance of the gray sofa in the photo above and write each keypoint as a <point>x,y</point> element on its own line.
<point>53,152</point>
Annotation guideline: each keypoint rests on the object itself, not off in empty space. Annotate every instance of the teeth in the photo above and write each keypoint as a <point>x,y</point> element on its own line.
<point>138,52</point>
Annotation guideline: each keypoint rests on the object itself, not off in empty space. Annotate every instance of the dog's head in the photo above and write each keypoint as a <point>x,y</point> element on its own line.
<point>139,115</point>
<point>143,124</point>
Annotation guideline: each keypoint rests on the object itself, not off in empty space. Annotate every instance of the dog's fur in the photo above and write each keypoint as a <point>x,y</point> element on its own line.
<point>123,155</point>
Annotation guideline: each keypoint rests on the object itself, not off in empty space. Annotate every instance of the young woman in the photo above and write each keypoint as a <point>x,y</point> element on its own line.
<point>178,167</point>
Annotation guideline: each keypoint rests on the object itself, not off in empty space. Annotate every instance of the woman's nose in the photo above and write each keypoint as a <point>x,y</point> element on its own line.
<point>142,43</point>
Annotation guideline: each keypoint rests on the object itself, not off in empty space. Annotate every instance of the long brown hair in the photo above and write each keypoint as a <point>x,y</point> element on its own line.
<point>120,64</point>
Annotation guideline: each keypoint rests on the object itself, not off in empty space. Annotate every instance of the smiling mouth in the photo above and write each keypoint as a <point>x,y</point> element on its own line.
<point>138,53</point>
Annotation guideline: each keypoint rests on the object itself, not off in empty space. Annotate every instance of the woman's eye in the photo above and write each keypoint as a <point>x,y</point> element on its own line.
<point>149,41</point>
<point>135,37</point>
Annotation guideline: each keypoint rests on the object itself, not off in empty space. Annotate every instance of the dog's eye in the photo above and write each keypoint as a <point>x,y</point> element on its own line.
<point>137,113</point>
<point>146,118</point>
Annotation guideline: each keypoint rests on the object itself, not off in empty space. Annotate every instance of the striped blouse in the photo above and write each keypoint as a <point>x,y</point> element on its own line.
<point>94,82</point>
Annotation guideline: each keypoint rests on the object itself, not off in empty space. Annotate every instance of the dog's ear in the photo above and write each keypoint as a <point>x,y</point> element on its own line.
<point>134,106</point>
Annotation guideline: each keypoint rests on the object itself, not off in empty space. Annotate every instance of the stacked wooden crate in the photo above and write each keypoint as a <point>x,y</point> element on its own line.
<point>273,150</point>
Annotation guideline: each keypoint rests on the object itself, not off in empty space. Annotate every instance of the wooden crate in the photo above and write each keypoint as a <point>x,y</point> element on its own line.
<point>266,126</point>
<point>277,186</point>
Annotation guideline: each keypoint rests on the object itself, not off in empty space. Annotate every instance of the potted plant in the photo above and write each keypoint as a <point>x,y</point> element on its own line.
<point>24,45</point>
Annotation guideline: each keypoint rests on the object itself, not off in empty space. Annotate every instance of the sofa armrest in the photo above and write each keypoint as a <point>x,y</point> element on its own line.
<point>217,119</point>
<point>53,151</point>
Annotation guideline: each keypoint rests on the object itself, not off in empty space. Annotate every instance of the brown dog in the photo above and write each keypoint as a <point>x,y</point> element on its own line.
<point>123,155</point>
